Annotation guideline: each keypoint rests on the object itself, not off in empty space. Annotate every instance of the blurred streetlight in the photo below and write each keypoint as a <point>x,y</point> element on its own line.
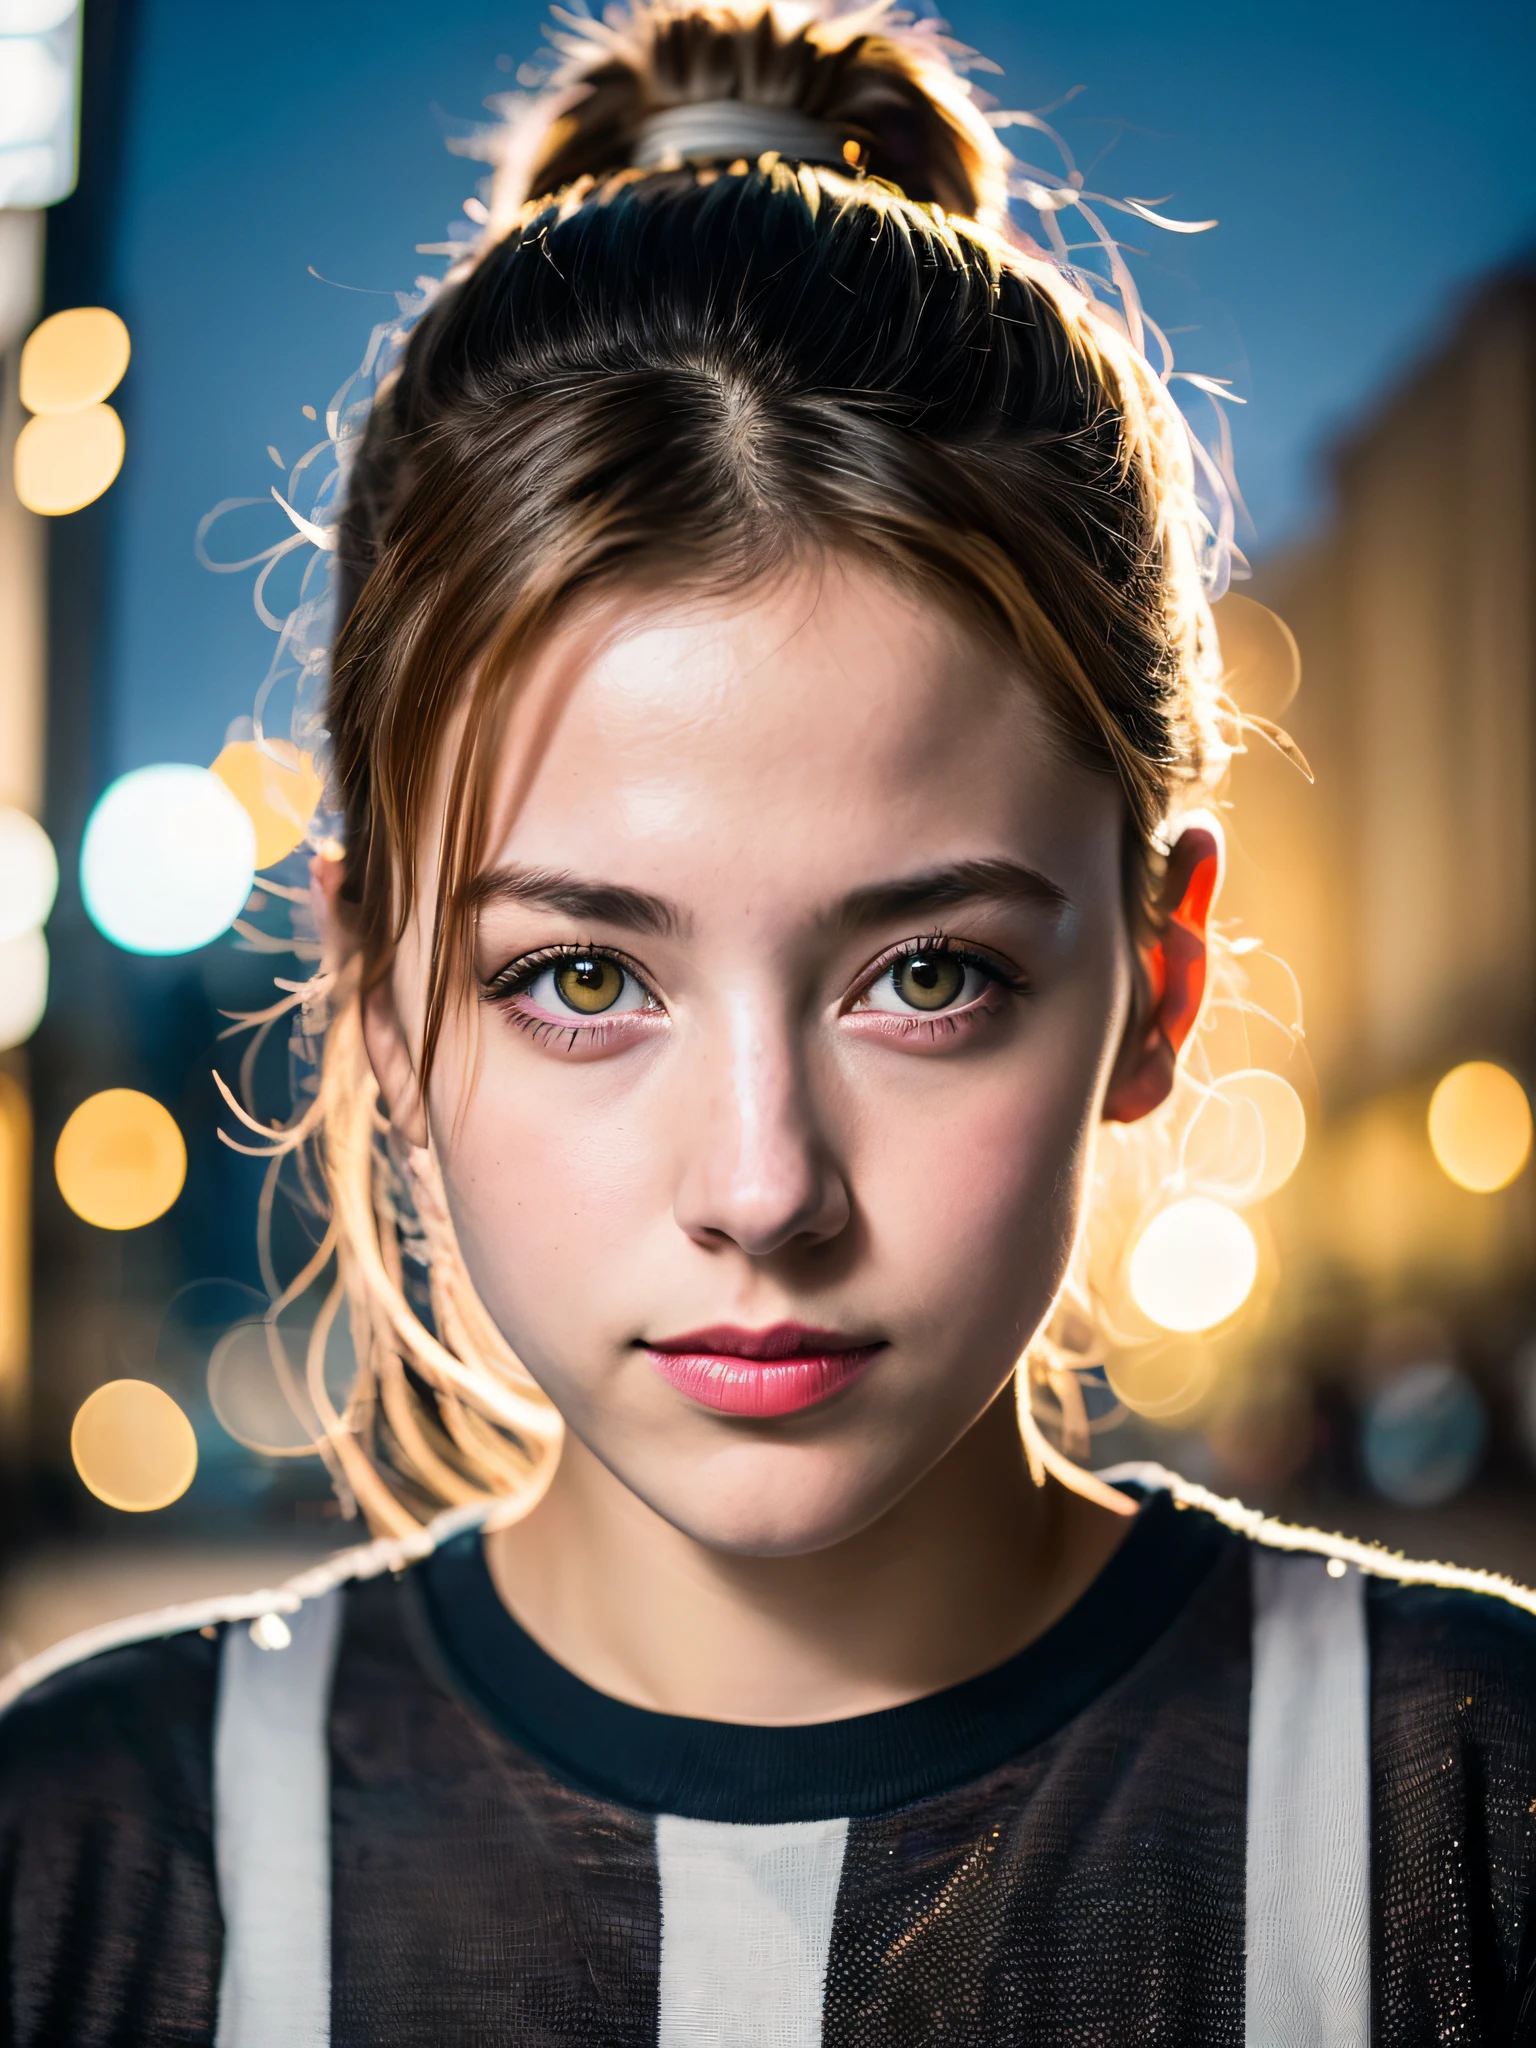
<point>121,1160</point>
<point>168,859</point>
<point>39,101</point>
<point>23,987</point>
<point>1480,1126</point>
<point>29,878</point>
<point>133,1447</point>
<point>72,450</point>
<point>1423,1435</point>
<point>280,788</point>
<point>1194,1265</point>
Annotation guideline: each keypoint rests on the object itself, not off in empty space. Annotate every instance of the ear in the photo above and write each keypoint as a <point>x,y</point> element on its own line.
<point>327,869</point>
<point>1172,975</point>
<point>394,1067</point>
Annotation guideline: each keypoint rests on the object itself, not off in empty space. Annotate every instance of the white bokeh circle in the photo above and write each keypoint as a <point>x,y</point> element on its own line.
<point>1194,1265</point>
<point>23,986</point>
<point>168,859</point>
<point>29,874</point>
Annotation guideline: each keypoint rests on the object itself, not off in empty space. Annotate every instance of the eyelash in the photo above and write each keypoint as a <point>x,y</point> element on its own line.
<point>519,976</point>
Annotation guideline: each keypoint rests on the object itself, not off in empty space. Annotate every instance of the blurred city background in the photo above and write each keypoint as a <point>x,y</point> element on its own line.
<point>203,215</point>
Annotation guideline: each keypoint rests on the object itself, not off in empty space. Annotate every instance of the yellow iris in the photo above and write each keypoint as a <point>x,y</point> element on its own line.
<point>589,985</point>
<point>928,981</point>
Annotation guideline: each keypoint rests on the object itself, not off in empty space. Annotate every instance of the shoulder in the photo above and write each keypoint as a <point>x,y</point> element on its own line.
<point>134,1702</point>
<point>138,1710</point>
<point>1453,1664</point>
<point>109,1908</point>
<point>108,1895</point>
<point>1430,1625</point>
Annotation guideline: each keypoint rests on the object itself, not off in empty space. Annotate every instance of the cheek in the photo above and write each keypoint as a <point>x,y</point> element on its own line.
<point>976,1192</point>
<point>550,1185</point>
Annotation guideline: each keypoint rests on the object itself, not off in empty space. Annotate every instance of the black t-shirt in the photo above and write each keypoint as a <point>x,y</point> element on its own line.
<point>1051,1852</point>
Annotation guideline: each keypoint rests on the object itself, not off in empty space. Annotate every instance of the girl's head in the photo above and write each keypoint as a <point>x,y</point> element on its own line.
<point>772,670</point>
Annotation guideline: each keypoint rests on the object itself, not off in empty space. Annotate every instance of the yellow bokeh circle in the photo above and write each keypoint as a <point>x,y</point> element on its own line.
<point>133,1447</point>
<point>1480,1126</point>
<point>120,1160</point>
<point>73,360</point>
<point>65,460</point>
<point>278,786</point>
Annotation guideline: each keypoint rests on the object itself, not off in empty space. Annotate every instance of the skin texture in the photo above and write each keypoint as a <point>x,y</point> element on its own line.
<point>762,1130</point>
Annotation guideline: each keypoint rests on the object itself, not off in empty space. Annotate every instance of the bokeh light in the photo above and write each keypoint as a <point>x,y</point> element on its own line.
<point>23,987</point>
<point>73,360</point>
<point>1194,1265</point>
<point>65,460</point>
<point>278,786</point>
<point>1162,1380</point>
<point>260,1393</point>
<point>120,1160</point>
<point>133,1447</point>
<point>29,873</point>
<point>1246,1138</point>
<point>1423,1435</point>
<point>1260,658</point>
<point>34,17</point>
<point>1480,1126</point>
<point>34,92</point>
<point>168,859</point>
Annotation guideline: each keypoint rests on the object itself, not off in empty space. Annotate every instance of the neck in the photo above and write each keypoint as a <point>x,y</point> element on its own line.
<point>970,1566</point>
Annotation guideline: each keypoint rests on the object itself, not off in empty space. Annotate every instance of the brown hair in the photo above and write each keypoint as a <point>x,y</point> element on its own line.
<point>700,373</point>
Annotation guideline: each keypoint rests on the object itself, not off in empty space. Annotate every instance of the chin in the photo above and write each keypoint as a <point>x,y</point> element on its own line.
<point>760,1505</point>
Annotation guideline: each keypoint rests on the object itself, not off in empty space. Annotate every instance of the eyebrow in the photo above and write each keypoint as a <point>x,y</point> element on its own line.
<point>598,902</point>
<point>964,881</point>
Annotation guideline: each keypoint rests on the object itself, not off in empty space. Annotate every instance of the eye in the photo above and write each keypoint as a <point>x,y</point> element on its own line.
<point>929,978</point>
<point>576,1000</point>
<point>585,985</point>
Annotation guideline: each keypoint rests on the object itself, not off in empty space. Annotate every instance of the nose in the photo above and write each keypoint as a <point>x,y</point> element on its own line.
<point>757,1169</point>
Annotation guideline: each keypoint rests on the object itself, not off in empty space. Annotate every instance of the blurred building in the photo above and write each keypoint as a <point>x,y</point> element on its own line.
<point>1401,886</point>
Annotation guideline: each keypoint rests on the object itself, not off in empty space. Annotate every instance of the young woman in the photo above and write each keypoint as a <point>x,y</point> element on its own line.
<point>773,704</point>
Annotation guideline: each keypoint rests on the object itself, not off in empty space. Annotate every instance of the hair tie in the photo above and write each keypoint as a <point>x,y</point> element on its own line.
<point>715,131</point>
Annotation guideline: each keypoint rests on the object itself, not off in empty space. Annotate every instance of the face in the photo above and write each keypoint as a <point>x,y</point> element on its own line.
<point>802,968</point>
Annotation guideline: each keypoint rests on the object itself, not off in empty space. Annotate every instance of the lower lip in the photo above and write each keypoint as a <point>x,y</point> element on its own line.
<point>762,1388</point>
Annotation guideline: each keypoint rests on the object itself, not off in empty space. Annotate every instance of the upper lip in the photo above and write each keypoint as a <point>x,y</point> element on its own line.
<point>781,1341</point>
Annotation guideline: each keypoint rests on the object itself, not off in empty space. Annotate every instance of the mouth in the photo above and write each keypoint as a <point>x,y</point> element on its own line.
<point>762,1373</point>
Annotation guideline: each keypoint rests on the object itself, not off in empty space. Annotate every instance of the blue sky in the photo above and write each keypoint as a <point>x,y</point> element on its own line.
<point>1365,162</point>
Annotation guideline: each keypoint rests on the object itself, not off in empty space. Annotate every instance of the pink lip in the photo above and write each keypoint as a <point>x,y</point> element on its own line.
<point>761,1372</point>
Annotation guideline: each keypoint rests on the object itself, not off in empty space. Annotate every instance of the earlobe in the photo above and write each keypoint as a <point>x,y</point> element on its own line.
<point>389,1054</point>
<point>1173,970</point>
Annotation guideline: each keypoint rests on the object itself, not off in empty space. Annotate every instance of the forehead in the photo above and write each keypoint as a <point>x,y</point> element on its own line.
<point>826,720</point>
